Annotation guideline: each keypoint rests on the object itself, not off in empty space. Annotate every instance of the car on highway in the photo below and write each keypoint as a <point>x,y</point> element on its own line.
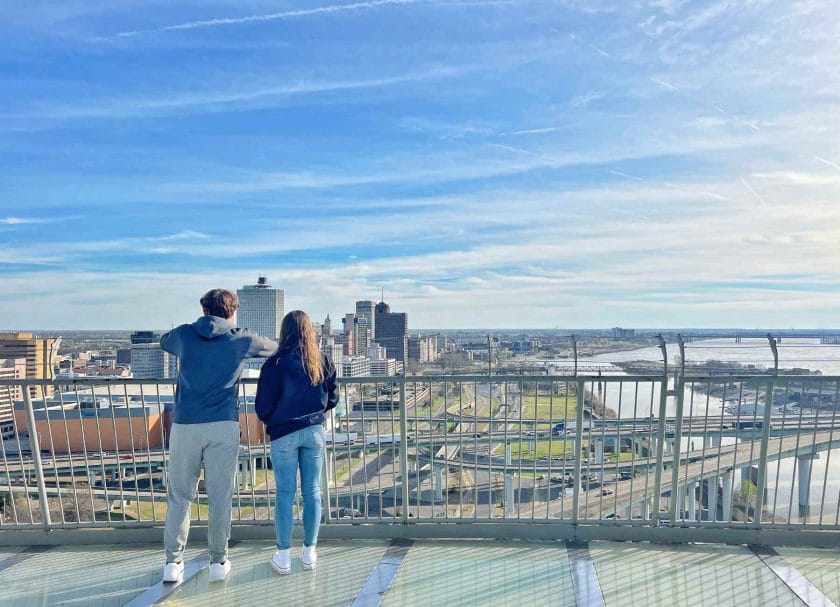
<point>606,491</point>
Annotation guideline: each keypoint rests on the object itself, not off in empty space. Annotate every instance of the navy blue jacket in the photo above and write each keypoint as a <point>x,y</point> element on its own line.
<point>286,399</point>
<point>211,355</point>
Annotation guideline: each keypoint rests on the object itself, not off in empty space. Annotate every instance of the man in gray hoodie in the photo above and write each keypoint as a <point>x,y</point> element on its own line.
<point>211,355</point>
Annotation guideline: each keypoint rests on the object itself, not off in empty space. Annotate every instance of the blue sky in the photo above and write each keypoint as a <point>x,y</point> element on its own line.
<point>488,163</point>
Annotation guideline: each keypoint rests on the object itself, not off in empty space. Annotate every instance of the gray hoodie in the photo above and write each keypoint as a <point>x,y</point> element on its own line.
<point>211,354</point>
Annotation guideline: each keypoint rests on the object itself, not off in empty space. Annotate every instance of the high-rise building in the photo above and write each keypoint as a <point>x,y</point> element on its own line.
<point>10,368</point>
<point>327,330</point>
<point>335,352</point>
<point>346,343</point>
<point>39,354</point>
<point>349,331</point>
<point>362,335</point>
<point>148,359</point>
<point>367,310</point>
<point>392,331</point>
<point>418,349</point>
<point>260,308</point>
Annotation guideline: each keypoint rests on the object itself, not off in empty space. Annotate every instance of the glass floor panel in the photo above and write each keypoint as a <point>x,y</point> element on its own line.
<point>820,565</point>
<point>685,575</point>
<point>343,568</point>
<point>483,573</point>
<point>93,576</point>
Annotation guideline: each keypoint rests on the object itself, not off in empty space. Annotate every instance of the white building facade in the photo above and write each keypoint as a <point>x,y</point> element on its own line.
<point>260,308</point>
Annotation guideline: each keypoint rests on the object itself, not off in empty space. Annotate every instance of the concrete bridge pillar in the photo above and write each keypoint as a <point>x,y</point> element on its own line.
<point>726,479</point>
<point>645,509</point>
<point>711,497</point>
<point>680,498</point>
<point>243,475</point>
<point>714,440</point>
<point>691,495</point>
<point>329,471</point>
<point>509,495</point>
<point>598,450</point>
<point>803,464</point>
<point>438,484</point>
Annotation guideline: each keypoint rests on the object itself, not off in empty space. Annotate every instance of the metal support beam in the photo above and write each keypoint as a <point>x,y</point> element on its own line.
<point>35,446</point>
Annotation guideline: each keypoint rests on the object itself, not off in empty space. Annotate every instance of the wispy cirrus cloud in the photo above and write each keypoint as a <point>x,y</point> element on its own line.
<point>247,95</point>
<point>283,15</point>
<point>18,221</point>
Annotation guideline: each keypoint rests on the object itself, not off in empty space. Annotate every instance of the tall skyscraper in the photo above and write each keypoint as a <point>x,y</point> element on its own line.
<point>327,326</point>
<point>148,360</point>
<point>260,308</point>
<point>39,354</point>
<point>392,331</point>
<point>367,310</point>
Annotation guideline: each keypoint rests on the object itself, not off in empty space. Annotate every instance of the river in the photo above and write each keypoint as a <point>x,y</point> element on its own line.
<point>640,401</point>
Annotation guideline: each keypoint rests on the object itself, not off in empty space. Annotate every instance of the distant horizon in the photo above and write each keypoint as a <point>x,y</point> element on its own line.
<point>565,331</point>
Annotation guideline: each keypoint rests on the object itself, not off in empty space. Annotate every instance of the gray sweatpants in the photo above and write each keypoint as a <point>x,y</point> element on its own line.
<point>216,444</point>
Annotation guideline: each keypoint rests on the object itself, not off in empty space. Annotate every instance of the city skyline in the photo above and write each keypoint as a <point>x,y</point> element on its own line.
<point>489,164</point>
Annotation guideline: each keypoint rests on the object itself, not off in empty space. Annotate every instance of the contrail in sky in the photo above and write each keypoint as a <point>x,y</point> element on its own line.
<point>337,8</point>
<point>754,193</point>
<point>828,162</point>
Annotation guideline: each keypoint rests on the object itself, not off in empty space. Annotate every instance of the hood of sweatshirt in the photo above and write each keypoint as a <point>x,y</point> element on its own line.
<point>211,327</point>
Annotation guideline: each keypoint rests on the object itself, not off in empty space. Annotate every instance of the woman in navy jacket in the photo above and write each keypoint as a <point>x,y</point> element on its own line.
<point>296,388</point>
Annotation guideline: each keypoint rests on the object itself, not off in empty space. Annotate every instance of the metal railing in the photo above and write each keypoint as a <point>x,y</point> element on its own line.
<point>710,454</point>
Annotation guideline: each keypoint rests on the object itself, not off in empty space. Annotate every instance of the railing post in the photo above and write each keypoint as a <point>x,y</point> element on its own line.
<point>679,388</point>
<point>775,350</point>
<point>581,384</point>
<point>404,452</point>
<point>660,434</point>
<point>36,457</point>
<point>762,457</point>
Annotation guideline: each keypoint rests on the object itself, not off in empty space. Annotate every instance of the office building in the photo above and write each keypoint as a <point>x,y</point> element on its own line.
<point>260,308</point>
<point>362,334</point>
<point>346,343</point>
<point>10,368</point>
<point>327,329</point>
<point>356,366</point>
<point>392,331</point>
<point>621,333</point>
<point>367,310</point>
<point>423,349</point>
<point>348,333</point>
<point>335,352</point>
<point>148,360</point>
<point>40,355</point>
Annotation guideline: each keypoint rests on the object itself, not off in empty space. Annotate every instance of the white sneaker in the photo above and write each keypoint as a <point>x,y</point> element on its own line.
<point>173,572</point>
<point>308,556</point>
<point>219,571</point>
<point>281,562</point>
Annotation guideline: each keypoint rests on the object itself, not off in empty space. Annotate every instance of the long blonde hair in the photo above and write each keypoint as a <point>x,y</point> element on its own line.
<point>296,332</point>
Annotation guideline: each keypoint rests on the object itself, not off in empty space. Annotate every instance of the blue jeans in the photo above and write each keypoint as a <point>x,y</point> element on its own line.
<point>302,449</point>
